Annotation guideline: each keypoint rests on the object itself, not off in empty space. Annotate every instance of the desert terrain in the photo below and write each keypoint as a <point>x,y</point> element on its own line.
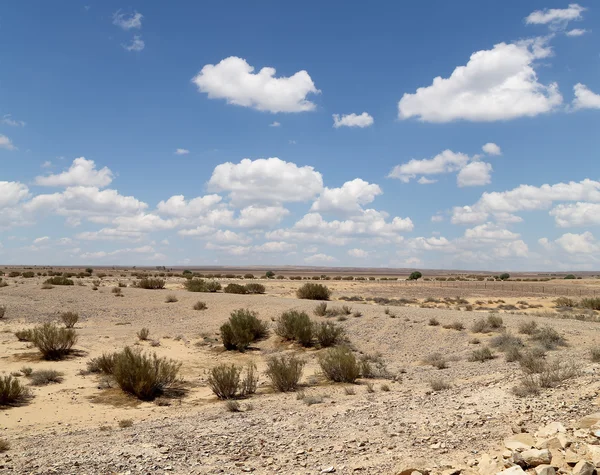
<point>435,407</point>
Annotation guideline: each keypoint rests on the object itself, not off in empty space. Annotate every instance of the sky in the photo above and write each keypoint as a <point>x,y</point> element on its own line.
<point>427,135</point>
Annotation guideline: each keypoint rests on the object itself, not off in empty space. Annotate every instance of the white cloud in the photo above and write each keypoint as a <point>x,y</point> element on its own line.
<point>490,232</point>
<point>275,246</point>
<point>137,44</point>
<point>347,199</point>
<point>196,207</point>
<point>144,222</point>
<point>261,216</point>
<point>118,252</point>
<point>475,174</point>
<point>266,180</point>
<point>584,98</point>
<point>445,162</point>
<point>578,243</point>
<point>229,249</point>
<point>12,192</point>
<point>576,32</point>
<point>557,18</point>
<point>229,237</point>
<point>199,231</point>
<point>82,172</point>
<point>578,214</point>
<point>46,164</point>
<point>511,249</point>
<point>127,22</point>
<point>181,151</point>
<point>467,215</point>
<point>8,120</point>
<point>496,84</point>
<point>6,143</point>
<point>546,244</point>
<point>275,124</point>
<point>352,120</point>
<point>491,149</point>
<point>360,253</point>
<point>319,258</point>
<point>310,250</point>
<point>41,240</point>
<point>426,181</point>
<point>437,218</point>
<point>233,79</point>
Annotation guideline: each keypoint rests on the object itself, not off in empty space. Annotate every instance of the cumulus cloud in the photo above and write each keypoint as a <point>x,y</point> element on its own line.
<point>181,151</point>
<point>475,174</point>
<point>274,124</point>
<point>233,79</point>
<point>556,18</point>
<point>41,240</point>
<point>319,258</point>
<point>137,44</point>
<point>352,120</point>
<point>577,214</point>
<point>109,234</point>
<point>196,207</point>
<point>426,181</point>
<point>360,253</point>
<point>6,143</point>
<point>275,246</point>
<point>496,84</point>
<point>12,192</point>
<point>576,32</point>
<point>127,21</point>
<point>490,232</point>
<point>261,216</point>
<point>491,149</point>
<point>467,215</point>
<point>584,98</point>
<point>266,180</point>
<point>347,199</point>
<point>578,243</point>
<point>445,162</point>
<point>82,172</point>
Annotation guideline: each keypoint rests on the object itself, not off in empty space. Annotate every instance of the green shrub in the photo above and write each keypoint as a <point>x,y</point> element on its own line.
<point>505,341</point>
<point>339,364</point>
<point>44,377</point>
<point>12,392</point>
<point>144,376</point>
<point>248,276</point>
<point>226,382</point>
<point>504,276</point>
<point>69,319</point>
<point>285,372</point>
<point>53,342</point>
<point>321,309</point>
<point>243,328</point>
<point>104,364</point>
<point>593,303</point>
<point>200,285</point>
<point>150,283</point>
<point>255,288</point>
<point>415,275</point>
<point>565,302</point>
<point>28,274</point>
<point>311,291</point>
<point>235,289</point>
<point>24,335</point>
<point>329,334</point>
<point>59,280</point>
<point>200,305</point>
<point>296,326</point>
<point>481,355</point>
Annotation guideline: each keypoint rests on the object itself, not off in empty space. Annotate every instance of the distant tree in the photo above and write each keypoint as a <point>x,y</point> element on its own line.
<point>570,276</point>
<point>269,274</point>
<point>89,270</point>
<point>416,275</point>
<point>504,276</point>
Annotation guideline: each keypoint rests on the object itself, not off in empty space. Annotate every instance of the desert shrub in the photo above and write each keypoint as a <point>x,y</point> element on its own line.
<point>546,375</point>
<point>200,305</point>
<point>495,321</point>
<point>195,285</point>
<point>232,406</point>
<point>28,274</point>
<point>593,303</point>
<point>506,340</point>
<point>144,376</point>
<point>434,322</point>
<point>321,309</point>
<point>439,384</point>
<point>285,372</point>
<point>122,285</point>
<point>595,355</point>
<point>437,360</point>
<point>339,364</point>
<point>248,276</point>
<point>4,445</point>
<point>481,355</point>
<point>532,362</point>
<point>269,274</point>
<point>143,334</point>
<point>255,288</point>
<point>415,275</point>
<point>565,302</point>
<point>226,381</point>
<point>311,291</point>
<point>171,298</point>
<point>513,353</point>
<point>104,364</point>
<point>456,325</point>
<point>569,277</point>
<point>12,392</point>
<point>26,370</point>
<point>527,387</point>
<point>117,291</point>
<point>346,310</point>
<point>45,376</point>
<point>504,276</point>
<point>548,338</point>
<point>53,342</point>
<point>14,273</point>
<point>294,325</point>
<point>151,283</point>
<point>125,423</point>
<point>243,328</point>
<point>373,366</point>
<point>69,319</point>
<point>24,335</point>
<point>235,289</point>
<point>328,334</point>
<point>59,280</point>
<point>528,328</point>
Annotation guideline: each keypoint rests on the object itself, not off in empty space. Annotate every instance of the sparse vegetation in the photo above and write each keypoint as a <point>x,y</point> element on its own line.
<point>311,291</point>
<point>481,355</point>
<point>54,343</point>
<point>548,338</point>
<point>200,305</point>
<point>12,392</point>
<point>243,328</point>
<point>104,364</point>
<point>437,360</point>
<point>528,328</point>
<point>321,309</point>
<point>125,423</point>
<point>143,334</point>
<point>372,366</point>
<point>44,377</point>
<point>69,319</point>
<point>201,285</point>
<point>4,446</point>
<point>59,280</point>
<point>235,289</point>
<point>439,384</point>
<point>595,355</point>
<point>339,364</point>
<point>171,298</point>
<point>285,372</point>
<point>591,303</point>
<point>433,322</point>
<point>456,325</point>
<point>488,325</point>
<point>295,326</point>
<point>150,283</point>
<point>255,288</point>
<point>24,335</point>
<point>226,381</point>
<point>328,334</point>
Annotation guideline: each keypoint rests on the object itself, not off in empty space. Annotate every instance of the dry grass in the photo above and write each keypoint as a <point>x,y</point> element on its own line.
<point>171,298</point>
<point>200,305</point>
<point>481,355</point>
<point>439,384</point>
<point>436,360</point>
<point>125,423</point>
<point>44,377</point>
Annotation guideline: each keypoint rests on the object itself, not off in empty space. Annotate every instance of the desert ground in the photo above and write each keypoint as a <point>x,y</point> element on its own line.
<point>412,417</point>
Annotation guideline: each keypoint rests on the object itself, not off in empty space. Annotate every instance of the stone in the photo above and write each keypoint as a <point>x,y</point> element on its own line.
<point>583,467</point>
<point>593,453</point>
<point>552,443</point>
<point>516,470</point>
<point>589,420</point>
<point>550,429</point>
<point>571,457</point>
<point>545,469</point>
<point>328,470</point>
<point>522,441</point>
<point>535,457</point>
<point>489,466</point>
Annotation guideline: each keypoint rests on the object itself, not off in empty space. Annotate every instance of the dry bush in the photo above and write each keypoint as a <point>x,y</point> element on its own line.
<point>346,310</point>
<point>46,376</point>
<point>339,364</point>
<point>226,381</point>
<point>200,305</point>
<point>47,286</point>
<point>385,387</point>
<point>200,285</point>
<point>528,328</point>
<point>370,388</point>
<point>104,364</point>
<point>592,303</point>
<point>12,392</point>
<point>495,321</point>
<point>69,319</point>
<point>243,328</point>
<point>295,326</point>
<point>458,326</point>
<point>437,360</point>
<point>255,288</point>
<point>232,406</point>
<point>533,362</point>
<point>149,283</point>
<point>59,280</point>
<point>155,343</point>
<point>321,309</point>
<point>481,355</point>
<point>26,370</point>
<point>505,341</point>
<point>439,384</point>
<point>125,423</point>
<point>512,354</point>
<point>53,342</point>
<point>547,375</point>
<point>433,322</point>
<point>117,291</point>
<point>235,289</point>
<point>312,291</point>
<point>285,372</point>
<point>24,335</point>
<point>171,298</point>
<point>595,355</point>
<point>565,302</point>
<point>2,311</point>
<point>373,366</point>
<point>548,338</point>
<point>144,376</point>
<point>4,445</point>
<point>349,391</point>
<point>143,334</point>
<point>329,334</point>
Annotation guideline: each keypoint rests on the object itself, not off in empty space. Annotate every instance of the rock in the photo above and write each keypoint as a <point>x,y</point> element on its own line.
<point>545,469</point>
<point>549,430</point>
<point>535,457</point>
<point>584,467</point>
<point>516,470</point>
<point>328,470</point>
<point>589,420</point>
<point>552,443</point>
<point>409,471</point>
<point>593,453</point>
<point>519,442</point>
<point>488,466</point>
<point>571,457</point>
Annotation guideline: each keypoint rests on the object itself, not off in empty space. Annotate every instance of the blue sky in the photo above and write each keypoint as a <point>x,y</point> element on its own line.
<point>428,135</point>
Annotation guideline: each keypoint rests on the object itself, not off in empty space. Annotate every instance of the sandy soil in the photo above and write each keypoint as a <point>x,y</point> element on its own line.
<point>72,427</point>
